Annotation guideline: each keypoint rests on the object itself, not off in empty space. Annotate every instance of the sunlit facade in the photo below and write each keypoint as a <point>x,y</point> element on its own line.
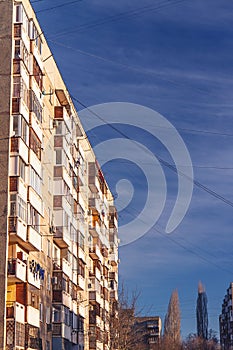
<point>59,245</point>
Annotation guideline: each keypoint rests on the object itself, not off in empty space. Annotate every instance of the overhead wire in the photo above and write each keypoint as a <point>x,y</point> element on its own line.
<point>162,161</point>
<point>122,15</point>
<point>57,6</point>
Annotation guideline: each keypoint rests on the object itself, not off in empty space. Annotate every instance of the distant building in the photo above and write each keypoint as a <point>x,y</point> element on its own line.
<point>150,329</point>
<point>226,321</point>
<point>202,313</point>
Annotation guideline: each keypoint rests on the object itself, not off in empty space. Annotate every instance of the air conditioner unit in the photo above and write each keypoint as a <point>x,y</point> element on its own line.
<point>54,280</point>
<point>52,229</point>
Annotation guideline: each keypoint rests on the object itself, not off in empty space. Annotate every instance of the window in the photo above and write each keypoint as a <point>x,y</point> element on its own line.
<point>48,248</point>
<point>57,314</point>
<point>66,315</point>
<point>21,127</point>
<point>37,73</point>
<point>21,17</point>
<point>21,52</point>
<point>59,127</point>
<point>81,268</point>
<point>41,312</point>
<point>81,240</point>
<point>35,144</point>
<point>35,181</point>
<point>34,219</point>
<point>34,34</point>
<point>35,106</point>
<point>48,283</point>
<point>18,207</point>
<point>18,167</point>
<point>58,156</point>
<point>20,89</point>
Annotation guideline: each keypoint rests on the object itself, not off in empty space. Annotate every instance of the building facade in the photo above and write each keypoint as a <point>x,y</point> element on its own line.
<point>148,331</point>
<point>226,321</point>
<point>59,244</point>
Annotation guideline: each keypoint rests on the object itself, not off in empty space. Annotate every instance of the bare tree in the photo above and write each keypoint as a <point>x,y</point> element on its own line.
<point>123,334</point>
<point>172,322</point>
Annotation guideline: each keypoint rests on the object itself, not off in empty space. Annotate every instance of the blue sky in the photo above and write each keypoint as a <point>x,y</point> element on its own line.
<point>175,58</point>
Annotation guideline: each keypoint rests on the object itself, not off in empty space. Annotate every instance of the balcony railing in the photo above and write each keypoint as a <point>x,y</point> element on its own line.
<point>15,311</point>
<point>16,270</point>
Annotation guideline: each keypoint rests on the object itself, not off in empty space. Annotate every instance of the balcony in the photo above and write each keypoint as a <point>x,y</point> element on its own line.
<point>113,295</point>
<point>18,146</point>
<point>19,186</point>
<point>60,237</point>
<point>19,107</point>
<point>17,230</point>
<point>62,297</point>
<point>113,257</point>
<point>16,271</point>
<point>35,200</point>
<point>33,316</point>
<point>67,268</point>
<point>94,205</point>
<point>82,310</point>
<point>15,311</point>
<point>94,297</point>
<point>62,330</point>
<point>93,181</point>
<point>94,229</point>
<point>95,253</point>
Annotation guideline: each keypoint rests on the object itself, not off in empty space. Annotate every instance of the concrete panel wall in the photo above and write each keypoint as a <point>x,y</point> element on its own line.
<point>6,9</point>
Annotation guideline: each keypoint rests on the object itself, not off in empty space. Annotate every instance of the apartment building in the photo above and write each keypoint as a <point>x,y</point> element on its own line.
<point>59,244</point>
<point>148,330</point>
<point>226,321</point>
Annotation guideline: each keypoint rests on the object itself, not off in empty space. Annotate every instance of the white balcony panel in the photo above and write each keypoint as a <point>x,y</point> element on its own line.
<point>82,227</point>
<point>81,282</point>
<point>67,268</point>
<point>74,306</point>
<point>81,254</point>
<point>113,257</point>
<point>35,200</point>
<point>25,38</point>
<point>16,270</point>
<point>66,332</point>
<point>22,189</point>
<point>97,274</point>
<point>82,201</point>
<point>81,310</point>
<point>20,233</point>
<point>35,162</point>
<point>33,278</point>
<point>74,277</point>
<point>67,178</point>
<point>23,150</point>
<point>35,88</point>
<point>19,311</point>
<point>34,238</point>
<point>33,316</point>
<point>37,55</point>
<point>66,299</point>
<point>36,126</point>
<point>23,109</point>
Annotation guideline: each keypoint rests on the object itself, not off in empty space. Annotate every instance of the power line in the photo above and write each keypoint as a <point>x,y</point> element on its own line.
<point>58,6</point>
<point>122,15</point>
<point>162,161</point>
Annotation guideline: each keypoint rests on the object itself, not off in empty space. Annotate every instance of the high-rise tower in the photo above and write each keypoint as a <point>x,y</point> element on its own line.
<point>202,313</point>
